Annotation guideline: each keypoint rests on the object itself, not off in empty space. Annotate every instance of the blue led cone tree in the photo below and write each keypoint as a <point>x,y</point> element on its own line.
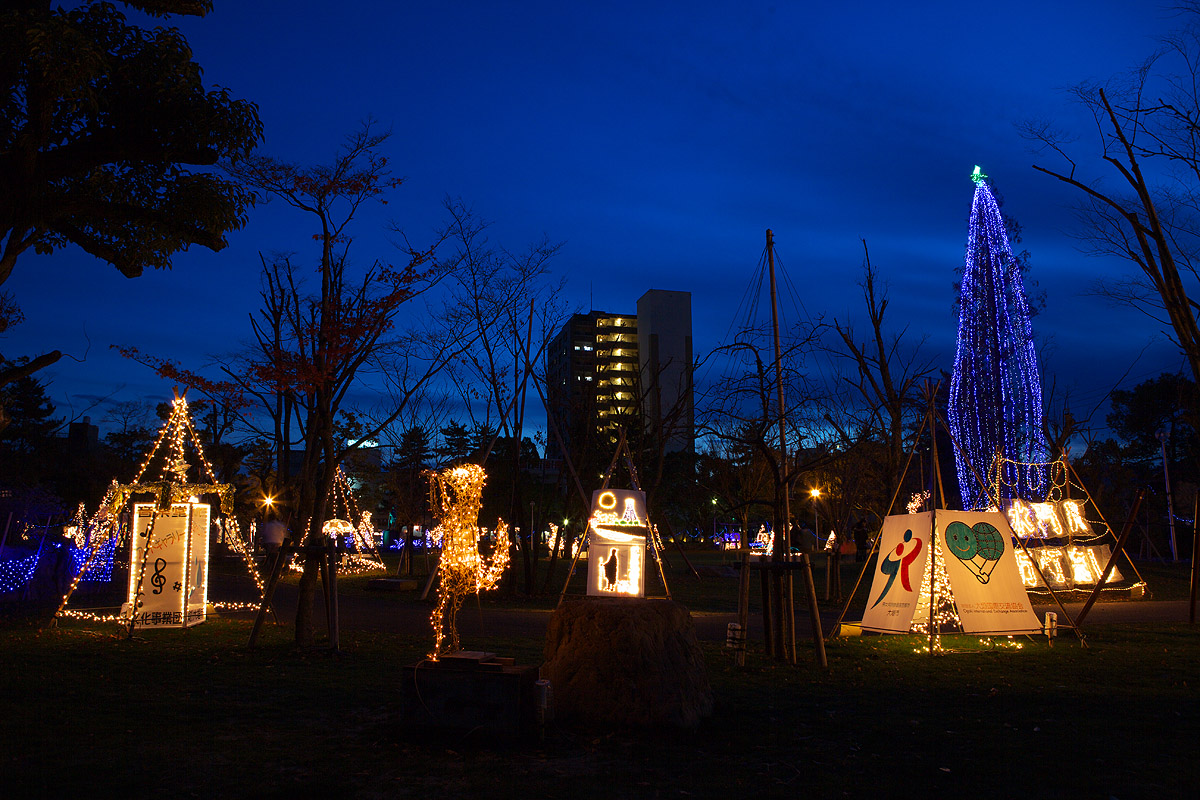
<point>995,392</point>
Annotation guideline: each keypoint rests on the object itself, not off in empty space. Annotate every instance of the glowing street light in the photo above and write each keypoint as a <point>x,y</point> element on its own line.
<point>815,494</point>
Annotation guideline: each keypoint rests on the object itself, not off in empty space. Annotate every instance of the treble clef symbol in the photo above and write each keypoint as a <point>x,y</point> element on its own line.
<point>158,580</point>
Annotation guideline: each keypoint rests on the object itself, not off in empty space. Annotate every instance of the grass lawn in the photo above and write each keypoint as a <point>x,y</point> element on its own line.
<point>194,714</point>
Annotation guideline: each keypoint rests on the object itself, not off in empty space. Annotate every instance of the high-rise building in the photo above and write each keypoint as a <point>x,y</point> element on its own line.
<point>610,370</point>
<point>665,363</point>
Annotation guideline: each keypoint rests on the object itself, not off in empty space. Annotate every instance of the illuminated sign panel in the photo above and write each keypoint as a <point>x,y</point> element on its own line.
<point>173,590</point>
<point>617,544</point>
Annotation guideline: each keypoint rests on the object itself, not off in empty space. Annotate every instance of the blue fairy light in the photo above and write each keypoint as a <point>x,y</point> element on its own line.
<point>995,392</point>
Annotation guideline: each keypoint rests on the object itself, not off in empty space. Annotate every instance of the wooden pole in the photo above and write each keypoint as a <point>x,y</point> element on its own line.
<point>1195,558</point>
<point>137,587</point>
<point>744,605</point>
<point>939,502</point>
<point>932,574</point>
<point>1112,558</point>
<point>4,540</point>
<point>1088,496</point>
<point>437,565</point>
<point>334,624</point>
<point>268,593</point>
<point>836,629</point>
<point>765,584</point>
<point>786,605</point>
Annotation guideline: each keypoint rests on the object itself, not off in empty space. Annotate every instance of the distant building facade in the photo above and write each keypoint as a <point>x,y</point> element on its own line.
<point>608,370</point>
<point>665,362</point>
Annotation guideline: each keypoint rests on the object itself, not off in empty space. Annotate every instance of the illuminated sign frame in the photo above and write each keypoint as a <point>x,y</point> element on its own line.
<point>173,576</point>
<point>617,535</point>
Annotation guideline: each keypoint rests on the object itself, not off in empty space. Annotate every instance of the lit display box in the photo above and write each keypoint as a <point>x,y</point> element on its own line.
<point>617,544</point>
<point>171,589</point>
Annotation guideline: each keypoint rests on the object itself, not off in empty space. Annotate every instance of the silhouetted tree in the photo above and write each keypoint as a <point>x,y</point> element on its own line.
<point>1148,217</point>
<point>26,444</point>
<point>102,127</point>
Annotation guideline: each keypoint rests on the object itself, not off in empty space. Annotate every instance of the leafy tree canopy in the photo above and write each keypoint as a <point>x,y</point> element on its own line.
<point>1159,404</point>
<point>102,125</point>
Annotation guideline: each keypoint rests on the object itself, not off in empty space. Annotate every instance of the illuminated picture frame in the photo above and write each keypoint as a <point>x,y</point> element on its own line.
<point>168,585</point>
<point>617,544</point>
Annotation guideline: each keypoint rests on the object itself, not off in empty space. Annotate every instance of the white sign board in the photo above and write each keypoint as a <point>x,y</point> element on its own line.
<point>903,553</point>
<point>173,590</point>
<point>988,590</point>
<point>617,544</point>
<point>977,554</point>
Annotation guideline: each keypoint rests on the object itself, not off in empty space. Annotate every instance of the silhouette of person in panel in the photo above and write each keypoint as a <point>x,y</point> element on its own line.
<point>610,570</point>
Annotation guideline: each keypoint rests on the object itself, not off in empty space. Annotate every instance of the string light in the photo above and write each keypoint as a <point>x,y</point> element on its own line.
<point>1062,539</point>
<point>172,489</point>
<point>917,502</point>
<point>456,497</point>
<point>945,613</point>
<point>995,390</point>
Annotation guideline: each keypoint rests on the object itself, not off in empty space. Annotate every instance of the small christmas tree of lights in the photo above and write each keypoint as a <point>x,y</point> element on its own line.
<point>995,392</point>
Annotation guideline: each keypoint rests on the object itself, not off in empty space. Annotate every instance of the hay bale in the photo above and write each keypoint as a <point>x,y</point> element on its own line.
<point>626,661</point>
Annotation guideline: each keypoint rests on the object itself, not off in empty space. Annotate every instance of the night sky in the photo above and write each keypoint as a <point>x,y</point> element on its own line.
<point>658,145</point>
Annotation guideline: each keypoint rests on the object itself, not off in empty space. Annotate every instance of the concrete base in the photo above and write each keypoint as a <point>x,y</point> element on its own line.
<point>469,691</point>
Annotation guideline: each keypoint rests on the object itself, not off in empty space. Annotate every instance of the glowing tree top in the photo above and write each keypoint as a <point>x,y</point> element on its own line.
<point>995,392</point>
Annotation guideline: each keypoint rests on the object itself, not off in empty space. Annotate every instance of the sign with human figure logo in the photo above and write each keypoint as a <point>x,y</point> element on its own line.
<point>617,534</point>
<point>976,551</point>
<point>168,575</point>
<point>980,562</point>
<point>903,553</point>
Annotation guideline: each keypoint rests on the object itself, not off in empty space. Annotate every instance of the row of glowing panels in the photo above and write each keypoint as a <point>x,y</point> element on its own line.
<point>1064,567</point>
<point>1048,520</point>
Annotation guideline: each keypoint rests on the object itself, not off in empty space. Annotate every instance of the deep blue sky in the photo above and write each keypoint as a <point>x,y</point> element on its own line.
<point>658,144</point>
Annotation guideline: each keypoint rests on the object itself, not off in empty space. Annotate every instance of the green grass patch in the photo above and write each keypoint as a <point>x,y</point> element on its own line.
<point>193,713</point>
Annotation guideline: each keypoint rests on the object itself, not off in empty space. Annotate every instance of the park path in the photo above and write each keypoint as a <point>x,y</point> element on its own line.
<point>385,612</point>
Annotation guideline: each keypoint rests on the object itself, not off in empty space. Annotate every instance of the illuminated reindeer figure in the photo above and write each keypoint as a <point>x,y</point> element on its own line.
<point>456,495</point>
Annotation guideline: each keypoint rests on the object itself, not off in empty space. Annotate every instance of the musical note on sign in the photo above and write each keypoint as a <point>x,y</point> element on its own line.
<point>158,580</point>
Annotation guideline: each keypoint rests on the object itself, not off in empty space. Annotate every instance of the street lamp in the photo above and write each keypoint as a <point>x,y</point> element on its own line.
<point>815,494</point>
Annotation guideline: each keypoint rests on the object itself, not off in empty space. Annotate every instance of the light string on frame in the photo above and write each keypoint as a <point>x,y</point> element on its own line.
<point>995,403</point>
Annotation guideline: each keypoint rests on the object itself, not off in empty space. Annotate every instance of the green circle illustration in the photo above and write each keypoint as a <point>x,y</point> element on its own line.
<point>988,540</point>
<point>961,541</point>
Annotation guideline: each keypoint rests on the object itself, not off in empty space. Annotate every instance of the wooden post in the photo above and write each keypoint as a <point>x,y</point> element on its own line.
<point>1195,558</point>
<point>764,574</point>
<point>744,604</point>
<point>1112,558</point>
<point>272,581</point>
<point>334,624</point>
<point>814,613</point>
<point>137,587</point>
<point>323,562</point>
<point>938,499</point>
<point>437,565</point>
<point>783,516</point>
<point>4,540</point>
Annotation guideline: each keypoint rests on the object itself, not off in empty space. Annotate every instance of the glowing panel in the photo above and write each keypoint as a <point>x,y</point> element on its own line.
<point>1022,519</point>
<point>1047,519</point>
<point>168,575</point>
<point>1029,575</point>
<point>1073,516</point>
<point>1050,560</point>
<point>617,544</point>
